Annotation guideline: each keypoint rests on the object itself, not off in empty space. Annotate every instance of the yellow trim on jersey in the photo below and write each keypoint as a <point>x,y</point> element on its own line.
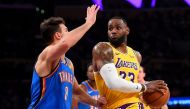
<point>146,106</point>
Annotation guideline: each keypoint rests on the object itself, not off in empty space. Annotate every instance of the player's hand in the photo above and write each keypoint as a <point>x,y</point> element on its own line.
<point>156,85</point>
<point>101,101</point>
<point>91,14</point>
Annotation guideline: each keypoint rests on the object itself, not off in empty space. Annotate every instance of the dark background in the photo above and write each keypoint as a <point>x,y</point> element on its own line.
<point>160,33</point>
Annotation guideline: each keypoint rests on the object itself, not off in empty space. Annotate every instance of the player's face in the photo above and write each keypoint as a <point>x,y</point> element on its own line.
<point>64,29</point>
<point>60,34</point>
<point>90,73</point>
<point>117,31</point>
<point>141,75</point>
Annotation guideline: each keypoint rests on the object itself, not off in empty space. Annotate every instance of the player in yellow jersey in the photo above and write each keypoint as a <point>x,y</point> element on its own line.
<point>141,80</point>
<point>117,67</point>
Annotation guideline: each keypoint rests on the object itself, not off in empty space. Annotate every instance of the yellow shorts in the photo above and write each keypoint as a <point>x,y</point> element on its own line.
<point>137,105</point>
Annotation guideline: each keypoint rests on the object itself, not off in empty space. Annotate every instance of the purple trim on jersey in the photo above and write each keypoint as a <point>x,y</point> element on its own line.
<point>140,106</point>
<point>124,106</point>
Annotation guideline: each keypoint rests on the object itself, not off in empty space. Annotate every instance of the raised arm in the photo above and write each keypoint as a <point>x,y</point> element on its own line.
<point>72,37</point>
<point>62,42</point>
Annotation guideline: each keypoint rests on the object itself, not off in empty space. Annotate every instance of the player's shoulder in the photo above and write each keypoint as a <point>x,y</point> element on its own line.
<point>133,50</point>
<point>128,47</point>
<point>102,46</point>
<point>69,63</point>
<point>137,54</point>
<point>67,60</point>
<point>102,51</point>
<point>43,54</point>
<point>84,83</point>
<point>83,86</point>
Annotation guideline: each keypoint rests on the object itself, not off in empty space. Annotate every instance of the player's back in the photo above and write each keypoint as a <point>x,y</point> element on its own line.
<point>128,67</point>
<point>53,91</point>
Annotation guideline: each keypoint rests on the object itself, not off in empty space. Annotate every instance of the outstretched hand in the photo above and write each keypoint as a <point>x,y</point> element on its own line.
<point>156,85</point>
<point>91,14</point>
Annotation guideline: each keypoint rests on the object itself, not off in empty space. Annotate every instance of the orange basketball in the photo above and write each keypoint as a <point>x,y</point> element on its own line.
<point>156,99</point>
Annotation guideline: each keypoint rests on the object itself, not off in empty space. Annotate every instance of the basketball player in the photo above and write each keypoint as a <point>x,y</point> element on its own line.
<point>53,80</point>
<point>117,67</point>
<point>141,80</point>
<point>89,86</point>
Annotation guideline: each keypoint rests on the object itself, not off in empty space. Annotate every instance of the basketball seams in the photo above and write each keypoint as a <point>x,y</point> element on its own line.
<point>159,98</point>
<point>156,99</point>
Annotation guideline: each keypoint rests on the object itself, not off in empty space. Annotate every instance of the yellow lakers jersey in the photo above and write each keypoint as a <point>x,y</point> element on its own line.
<point>146,106</point>
<point>128,67</point>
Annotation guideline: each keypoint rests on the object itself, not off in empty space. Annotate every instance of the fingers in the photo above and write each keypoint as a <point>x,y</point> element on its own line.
<point>103,100</point>
<point>157,85</point>
<point>93,9</point>
<point>159,90</point>
<point>163,87</point>
<point>91,14</point>
<point>88,10</point>
<point>159,82</point>
<point>97,9</point>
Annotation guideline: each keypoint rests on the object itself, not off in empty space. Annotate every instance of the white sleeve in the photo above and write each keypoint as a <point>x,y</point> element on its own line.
<point>113,81</point>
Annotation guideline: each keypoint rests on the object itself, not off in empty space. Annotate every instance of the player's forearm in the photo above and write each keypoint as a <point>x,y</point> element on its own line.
<point>122,85</point>
<point>75,35</point>
<point>69,39</point>
<point>113,81</point>
<point>82,96</point>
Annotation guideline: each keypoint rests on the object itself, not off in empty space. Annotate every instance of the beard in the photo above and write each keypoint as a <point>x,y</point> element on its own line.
<point>117,42</point>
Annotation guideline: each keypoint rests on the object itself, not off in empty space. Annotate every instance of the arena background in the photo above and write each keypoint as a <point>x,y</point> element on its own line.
<point>159,30</point>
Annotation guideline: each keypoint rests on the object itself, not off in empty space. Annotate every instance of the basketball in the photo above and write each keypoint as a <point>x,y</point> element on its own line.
<point>156,99</point>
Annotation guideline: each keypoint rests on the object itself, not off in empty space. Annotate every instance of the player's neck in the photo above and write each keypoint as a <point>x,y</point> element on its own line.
<point>55,42</point>
<point>122,48</point>
<point>92,84</point>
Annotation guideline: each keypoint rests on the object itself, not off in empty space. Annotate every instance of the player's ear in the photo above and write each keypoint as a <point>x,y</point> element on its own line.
<point>57,36</point>
<point>127,30</point>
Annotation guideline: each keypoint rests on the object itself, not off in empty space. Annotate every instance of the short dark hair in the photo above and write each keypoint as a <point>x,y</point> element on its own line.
<point>49,26</point>
<point>89,64</point>
<point>118,17</point>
